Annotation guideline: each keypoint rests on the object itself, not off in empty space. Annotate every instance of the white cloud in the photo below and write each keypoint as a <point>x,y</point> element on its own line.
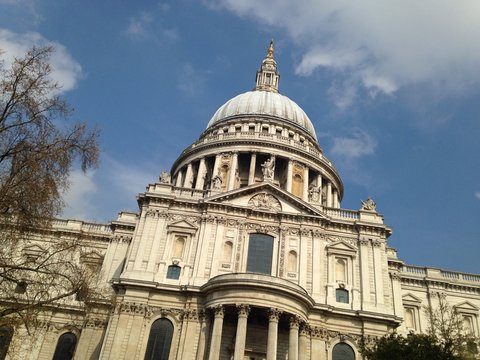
<point>477,195</point>
<point>80,196</point>
<point>379,45</point>
<point>138,26</point>
<point>359,144</point>
<point>66,71</point>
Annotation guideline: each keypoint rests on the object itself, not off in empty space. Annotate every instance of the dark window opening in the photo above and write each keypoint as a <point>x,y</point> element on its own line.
<point>260,254</point>
<point>342,296</point>
<point>6,334</point>
<point>65,347</point>
<point>173,272</point>
<point>159,340</point>
<point>343,351</point>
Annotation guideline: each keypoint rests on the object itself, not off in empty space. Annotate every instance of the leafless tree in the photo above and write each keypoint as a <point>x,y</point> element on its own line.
<point>39,144</point>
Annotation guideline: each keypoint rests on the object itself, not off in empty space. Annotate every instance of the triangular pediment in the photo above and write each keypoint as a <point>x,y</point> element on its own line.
<point>182,226</point>
<point>342,248</point>
<point>264,197</point>
<point>466,306</point>
<point>411,299</point>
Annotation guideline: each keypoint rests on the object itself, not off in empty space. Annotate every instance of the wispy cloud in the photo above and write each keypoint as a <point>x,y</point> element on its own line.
<point>190,81</point>
<point>150,24</point>
<point>379,46</point>
<point>477,195</point>
<point>357,145</point>
<point>80,196</point>
<point>66,70</point>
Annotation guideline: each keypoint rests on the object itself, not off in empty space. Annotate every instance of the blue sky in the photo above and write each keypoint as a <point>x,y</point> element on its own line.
<point>392,88</point>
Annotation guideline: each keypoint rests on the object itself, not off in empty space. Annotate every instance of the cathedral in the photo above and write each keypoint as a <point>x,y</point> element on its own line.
<point>243,251</point>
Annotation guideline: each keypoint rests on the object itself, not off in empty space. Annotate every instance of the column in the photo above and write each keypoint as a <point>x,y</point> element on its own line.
<point>251,172</point>
<point>216,165</point>
<point>335,198</point>
<point>319,181</point>
<point>178,182</point>
<point>243,311</point>
<point>305,183</point>
<point>202,171</point>
<point>273,316</point>
<point>293,338</point>
<point>377,265</point>
<point>216,334</point>
<point>188,176</point>
<point>203,335</point>
<point>303,343</point>
<point>329,194</point>
<point>233,171</point>
<point>364,273</point>
<point>289,175</point>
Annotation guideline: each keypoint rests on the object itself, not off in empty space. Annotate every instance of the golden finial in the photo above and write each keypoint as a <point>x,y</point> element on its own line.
<point>270,49</point>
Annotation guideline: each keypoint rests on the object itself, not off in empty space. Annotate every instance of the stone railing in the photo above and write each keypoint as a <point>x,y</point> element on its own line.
<point>76,225</point>
<point>276,138</point>
<point>342,213</point>
<point>445,275</point>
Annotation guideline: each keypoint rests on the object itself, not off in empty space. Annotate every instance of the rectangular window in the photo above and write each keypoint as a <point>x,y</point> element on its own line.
<point>173,272</point>
<point>260,254</point>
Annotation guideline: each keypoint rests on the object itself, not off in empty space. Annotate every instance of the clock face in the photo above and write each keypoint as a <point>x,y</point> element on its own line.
<point>269,67</point>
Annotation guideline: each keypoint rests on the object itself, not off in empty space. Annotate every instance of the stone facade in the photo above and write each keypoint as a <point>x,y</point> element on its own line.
<point>243,251</point>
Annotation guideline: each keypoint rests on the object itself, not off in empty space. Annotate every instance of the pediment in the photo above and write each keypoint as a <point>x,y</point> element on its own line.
<point>33,249</point>
<point>182,226</point>
<point>265,197</point>
<point>411,299</point>
<point>466,306</point>
<point>342,248</point>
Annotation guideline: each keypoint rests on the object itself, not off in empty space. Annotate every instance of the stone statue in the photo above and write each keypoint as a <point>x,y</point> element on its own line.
<point>268,169</point>
<point>314,194</point>
<point>369,205</point>
<point>216,182</point>
<point>165,177</point>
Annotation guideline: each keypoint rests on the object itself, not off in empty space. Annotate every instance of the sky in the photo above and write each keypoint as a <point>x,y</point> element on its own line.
<point>392,88</point>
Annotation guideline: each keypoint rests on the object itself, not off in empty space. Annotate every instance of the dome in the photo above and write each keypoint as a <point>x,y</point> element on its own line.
<point>265,103</point>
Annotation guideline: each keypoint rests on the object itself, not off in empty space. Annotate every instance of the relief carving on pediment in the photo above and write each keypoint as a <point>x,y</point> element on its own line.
<point>265,201</point>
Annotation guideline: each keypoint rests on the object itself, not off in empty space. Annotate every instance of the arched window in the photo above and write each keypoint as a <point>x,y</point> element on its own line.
<point>159,340</point>
<point>173,272</point>
<point>340,270</point>
<point>178,246</point>
<point>292,261</point>
<point>65,347</point>
<point>227,251</point>
<point>343,351</point>
<point>260,254</point>
<point>6,334</point>
<point>341,296</point>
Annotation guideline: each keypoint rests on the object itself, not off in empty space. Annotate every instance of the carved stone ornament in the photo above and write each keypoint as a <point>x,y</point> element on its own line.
<point>268,169</point>
<point>274,314</point>
<point>265,201</point>
<point>216,182</point>
<point>314,194</point>
<point>165,177</point>
<point>243,310</point>
<point>369,205</point>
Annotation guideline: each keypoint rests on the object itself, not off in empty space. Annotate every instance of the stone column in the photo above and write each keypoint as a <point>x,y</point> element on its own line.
<point>216,334</point>
<point>293,338</point>
<point>179,179</point>
<point>289,175</point>
<point>364,273</point>
<point>216,165</point>
<point>202,171</point>
<point>251,173</point>
<point>335,198</point>
<point>203,335</point>
<point>243,311</point>
<point>329,194</point>
<point>188,176</point>
<point>273,316</point>
<point>233,171</point>
<point>305,183</point>
<point>319,181</point>
<point>303,342</point>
